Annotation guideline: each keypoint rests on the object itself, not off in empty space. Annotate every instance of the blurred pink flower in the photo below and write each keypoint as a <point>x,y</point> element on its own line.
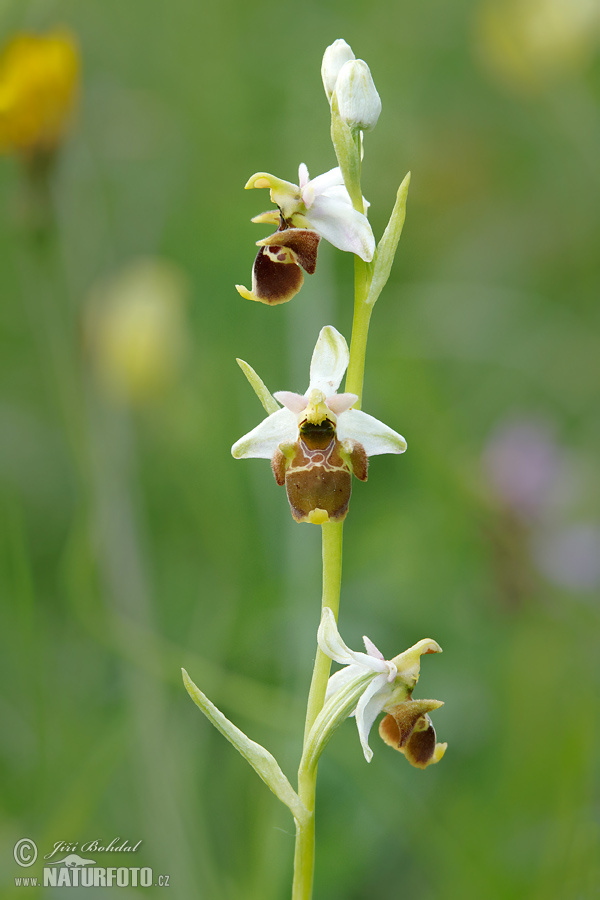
<point>523,463</point>
<point>569,556</point>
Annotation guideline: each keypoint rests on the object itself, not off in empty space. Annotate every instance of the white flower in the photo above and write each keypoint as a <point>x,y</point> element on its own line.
<point>322,204</point>
<point>329,362</point>
<point>383,686</point>
<point>306,212</point>
<point>318,437</point>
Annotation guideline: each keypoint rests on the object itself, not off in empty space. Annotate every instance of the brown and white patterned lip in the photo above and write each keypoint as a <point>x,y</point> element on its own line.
<point>302,241</point>
<point>276,280</point>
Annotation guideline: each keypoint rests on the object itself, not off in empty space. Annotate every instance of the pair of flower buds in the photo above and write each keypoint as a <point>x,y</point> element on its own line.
<point>320,207</point>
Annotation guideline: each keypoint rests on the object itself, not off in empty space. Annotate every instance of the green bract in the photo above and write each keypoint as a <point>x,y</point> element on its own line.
<point>263,762</point>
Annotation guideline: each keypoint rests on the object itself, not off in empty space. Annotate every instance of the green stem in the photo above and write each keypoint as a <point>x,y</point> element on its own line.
<point>360,332</point>
<point>332,580</point>
<point>304,859</point>
<point>362,311</point>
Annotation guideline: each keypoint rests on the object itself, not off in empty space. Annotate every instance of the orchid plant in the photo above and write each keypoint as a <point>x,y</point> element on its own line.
<point>318,440</point>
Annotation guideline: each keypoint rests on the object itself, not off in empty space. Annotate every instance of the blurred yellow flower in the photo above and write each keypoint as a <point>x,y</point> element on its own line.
<point>530,43</point>
<point>135,330</point>
<point>39,83</point>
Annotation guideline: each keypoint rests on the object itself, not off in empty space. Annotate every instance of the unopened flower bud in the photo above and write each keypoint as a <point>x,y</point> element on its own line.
<point>334,58</point>
<point>358,101</point>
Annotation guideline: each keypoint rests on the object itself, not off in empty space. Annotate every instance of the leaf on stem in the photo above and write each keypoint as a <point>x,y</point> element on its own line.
<point>259,387</point>
<point>386,249</point>
<point>263,762</point>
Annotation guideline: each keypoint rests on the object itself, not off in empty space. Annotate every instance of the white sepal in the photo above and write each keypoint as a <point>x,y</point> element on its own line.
<point>262,442</point>
<point>330,640</point>
<point>329,361</point>
<point>375,436</point>
<point>368,708</point>
<point>343,226</point>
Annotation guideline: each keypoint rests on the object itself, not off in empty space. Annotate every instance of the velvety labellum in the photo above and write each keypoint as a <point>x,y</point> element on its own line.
<point>317,472</point>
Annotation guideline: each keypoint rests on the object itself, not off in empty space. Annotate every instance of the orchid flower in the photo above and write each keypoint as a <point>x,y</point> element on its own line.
<point>305,213</point>
<point>382,686</point>
<point>316,441</point>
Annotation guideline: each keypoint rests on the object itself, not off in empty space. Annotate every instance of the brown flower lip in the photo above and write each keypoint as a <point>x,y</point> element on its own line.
<point>277,270</point>
<point>408,728</point>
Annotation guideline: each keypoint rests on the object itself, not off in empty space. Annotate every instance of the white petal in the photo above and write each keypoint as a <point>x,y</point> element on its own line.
<point>303,176</point>
<point>332,181</point>
<point>294,402</point>
<point>308,195</point>
<point>343,226</point>
<point>329,361</point>
<point>371,648</point>
<point>339,403</point>
<point>327,180</point>
<point>339,192</point>
<point>375,437</point>
<point>341,678</point>
<point>330,641</point>
<point>262,442</point>
<point>368,708</point>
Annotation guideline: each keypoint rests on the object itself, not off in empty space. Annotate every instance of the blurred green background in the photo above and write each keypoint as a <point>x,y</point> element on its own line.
<point>131,543</point>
